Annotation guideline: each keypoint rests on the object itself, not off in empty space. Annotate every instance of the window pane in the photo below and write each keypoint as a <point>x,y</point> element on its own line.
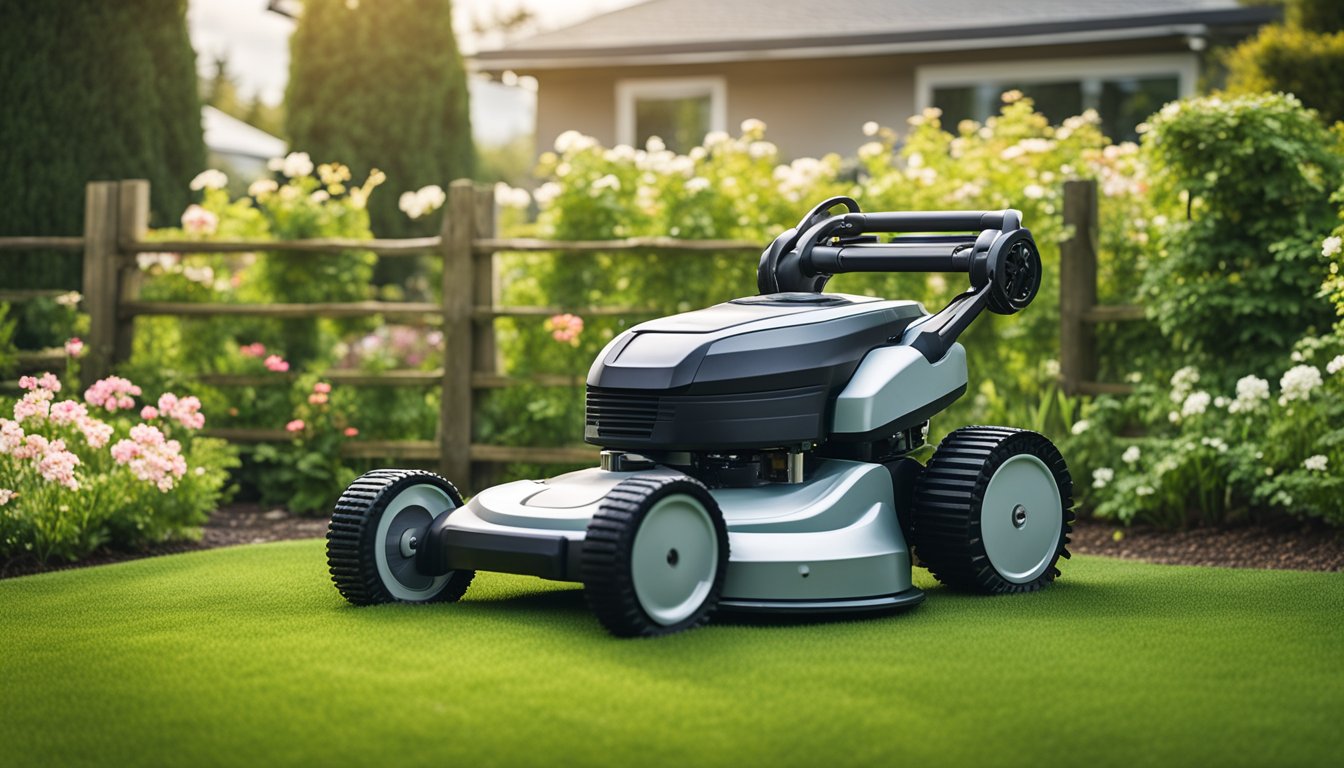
<point>1057,101</point>
<point>680,123</point>
<point>957,104</point>
<point>1127,102</point>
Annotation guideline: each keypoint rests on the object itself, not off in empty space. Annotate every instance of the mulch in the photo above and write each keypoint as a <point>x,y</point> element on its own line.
<point>1284,547</point>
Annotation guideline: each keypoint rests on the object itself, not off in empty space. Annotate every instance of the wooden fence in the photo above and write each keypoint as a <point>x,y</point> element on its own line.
<point>116,222</point>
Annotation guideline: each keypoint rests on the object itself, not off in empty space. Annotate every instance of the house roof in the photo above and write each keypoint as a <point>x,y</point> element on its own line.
<point>228,135</point>
<point>672,31</point>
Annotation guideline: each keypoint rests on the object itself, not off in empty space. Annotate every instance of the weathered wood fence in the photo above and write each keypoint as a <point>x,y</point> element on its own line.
<point>116,222</point>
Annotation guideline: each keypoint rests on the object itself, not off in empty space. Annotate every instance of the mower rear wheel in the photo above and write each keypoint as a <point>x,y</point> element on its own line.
<point>655,556</point>
<point>992,511</point>
<point>375,531</point>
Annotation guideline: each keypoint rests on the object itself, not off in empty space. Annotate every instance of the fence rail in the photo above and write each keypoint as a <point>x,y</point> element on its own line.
<point>116,229</point>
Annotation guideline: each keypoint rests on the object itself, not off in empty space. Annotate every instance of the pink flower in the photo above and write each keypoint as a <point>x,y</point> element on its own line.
<point>255,349</point>
<point>96,433</point>
<point>565,328</point>
<point>33,446</point>
<point>317,399</point>
<point>11,435</point>
<point>322,387</point>
<point>27,382</point>
<point>58,465</point>
<point>124,451</point>
<point>49,382</point>
<point>112,394</point>
<point>186,410</point>
<point>68,412</point>
<point>74,347</point>
<point>296,425</point>
<point>276,363</point>
<point>198,221</point>
<point>147,435</point>
<point>35,406</point>
<point>6,495</point>
<point>149,413</point>
<point>351,431</point>
<point>151,458</point>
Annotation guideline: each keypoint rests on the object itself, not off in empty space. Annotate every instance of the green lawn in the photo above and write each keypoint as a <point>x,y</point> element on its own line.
<point>247,656</point>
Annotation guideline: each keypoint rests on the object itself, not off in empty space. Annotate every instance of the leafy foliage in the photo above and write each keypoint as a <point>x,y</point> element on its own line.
<point>92,91</point>
<point>381,85</point>
<point>1235,279</point>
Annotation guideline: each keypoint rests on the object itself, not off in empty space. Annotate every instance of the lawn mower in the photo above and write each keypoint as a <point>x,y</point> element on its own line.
<point>755,455</point>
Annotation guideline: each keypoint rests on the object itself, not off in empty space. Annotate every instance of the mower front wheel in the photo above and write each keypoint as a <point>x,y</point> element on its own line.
<point>654,556</point>
<point>992,511</point>
<point>375,531</point>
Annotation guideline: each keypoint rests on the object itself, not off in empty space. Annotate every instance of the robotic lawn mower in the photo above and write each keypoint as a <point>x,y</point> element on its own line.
<point>755,453</point>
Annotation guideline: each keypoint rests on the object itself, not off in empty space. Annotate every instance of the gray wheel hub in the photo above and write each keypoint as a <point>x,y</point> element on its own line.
<point>1021,519</point>
<point>401,528</point>
<point>674,559</point>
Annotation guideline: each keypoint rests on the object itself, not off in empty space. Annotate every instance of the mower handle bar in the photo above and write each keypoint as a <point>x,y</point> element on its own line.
<point>928,221</point>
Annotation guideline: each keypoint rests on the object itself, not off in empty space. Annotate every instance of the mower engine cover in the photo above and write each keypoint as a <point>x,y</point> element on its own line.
<point>755,372</point>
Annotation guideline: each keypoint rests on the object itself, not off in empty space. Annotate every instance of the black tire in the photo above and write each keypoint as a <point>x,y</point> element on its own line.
<point>353,539</point>
<point>613,581</point>
<point>952,521</point>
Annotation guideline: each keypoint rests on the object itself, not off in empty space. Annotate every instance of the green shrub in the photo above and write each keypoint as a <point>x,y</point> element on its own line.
<point>1302,61</point>
<point>92,91</point>
<point>382,85</point>
<point>1235,280</point>
<point>81,473</point>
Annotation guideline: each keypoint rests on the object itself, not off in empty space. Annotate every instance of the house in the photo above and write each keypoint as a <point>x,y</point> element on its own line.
<point>815,72</point>
<point>240,149</point>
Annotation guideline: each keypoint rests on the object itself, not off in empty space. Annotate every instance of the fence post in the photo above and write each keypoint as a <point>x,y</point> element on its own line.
<point>1078,286</point>
<point>485,287</point>
<point>458,286</point>
<point>132,224</point>
<point>101,212</point>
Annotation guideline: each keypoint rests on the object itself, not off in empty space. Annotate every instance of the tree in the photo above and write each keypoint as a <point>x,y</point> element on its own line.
<point>381,85</point>
<point>92,91</point>
<point>1303,56</point>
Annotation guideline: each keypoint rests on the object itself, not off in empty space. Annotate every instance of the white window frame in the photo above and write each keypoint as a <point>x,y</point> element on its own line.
<point>1185,66</point>
<point>628,90</point>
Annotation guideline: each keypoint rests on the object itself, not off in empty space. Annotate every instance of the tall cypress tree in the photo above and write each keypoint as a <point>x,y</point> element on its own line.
<point>91,90</point>
<point>381,85</point>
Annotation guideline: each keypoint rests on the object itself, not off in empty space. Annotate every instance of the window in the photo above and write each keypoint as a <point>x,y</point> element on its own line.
<point>680,111</point>
<point>1124,91</point>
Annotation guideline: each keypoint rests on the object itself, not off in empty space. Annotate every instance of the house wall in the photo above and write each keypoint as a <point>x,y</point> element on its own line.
<point>810,107</point>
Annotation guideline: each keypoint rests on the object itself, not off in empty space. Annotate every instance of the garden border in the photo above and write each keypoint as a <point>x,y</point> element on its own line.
<point>116,221</point>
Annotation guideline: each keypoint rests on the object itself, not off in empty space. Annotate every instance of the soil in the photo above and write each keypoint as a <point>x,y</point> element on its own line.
<point>1290,547</point>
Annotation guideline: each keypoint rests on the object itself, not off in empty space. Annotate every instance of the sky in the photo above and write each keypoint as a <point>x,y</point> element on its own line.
<point>256,42</point>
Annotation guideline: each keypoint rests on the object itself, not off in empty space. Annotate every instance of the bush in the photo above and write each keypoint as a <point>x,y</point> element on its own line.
<point>78,474</point>
<point>1304,57</point>
<point>1254,176</point>
<point>382,85</point>
<point>92,91</point>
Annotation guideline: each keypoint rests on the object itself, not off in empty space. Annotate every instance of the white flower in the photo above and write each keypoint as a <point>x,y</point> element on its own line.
<point>573,141</point>
<point>1330,245</point>
<point>262,187</point>
<point>753,127</point>
<point>761,149</point>
<point>1052,368</point>
<point>1174,417</point>
<point>606,182</point>
<point>1182,382</point>
<point>1298,382</point>
<point>1316,463</point>
<point>1101,476</point>
<point>1196,404</point>
<point>655,144</point>
<point>619,153</point>
<point>296,164</point>
<point>210,179</point>
<point>1251,391</point>
<point>547,193</point>
<point>697,184</point>
<point>1215,443</point>
<point>1034,191</point>
<point>422,201</point>
<point>1131,454</point>
<point>1144,490</point>
<point>1080,426</point>
<point>1335,366</point>
<point>715,138</point>
<point>511,197</point>
<point>320,196</point>
<point>871,128</point>
<point>871,150</point>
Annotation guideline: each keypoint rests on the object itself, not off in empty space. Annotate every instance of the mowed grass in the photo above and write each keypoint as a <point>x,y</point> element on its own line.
<point>248,656</point>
